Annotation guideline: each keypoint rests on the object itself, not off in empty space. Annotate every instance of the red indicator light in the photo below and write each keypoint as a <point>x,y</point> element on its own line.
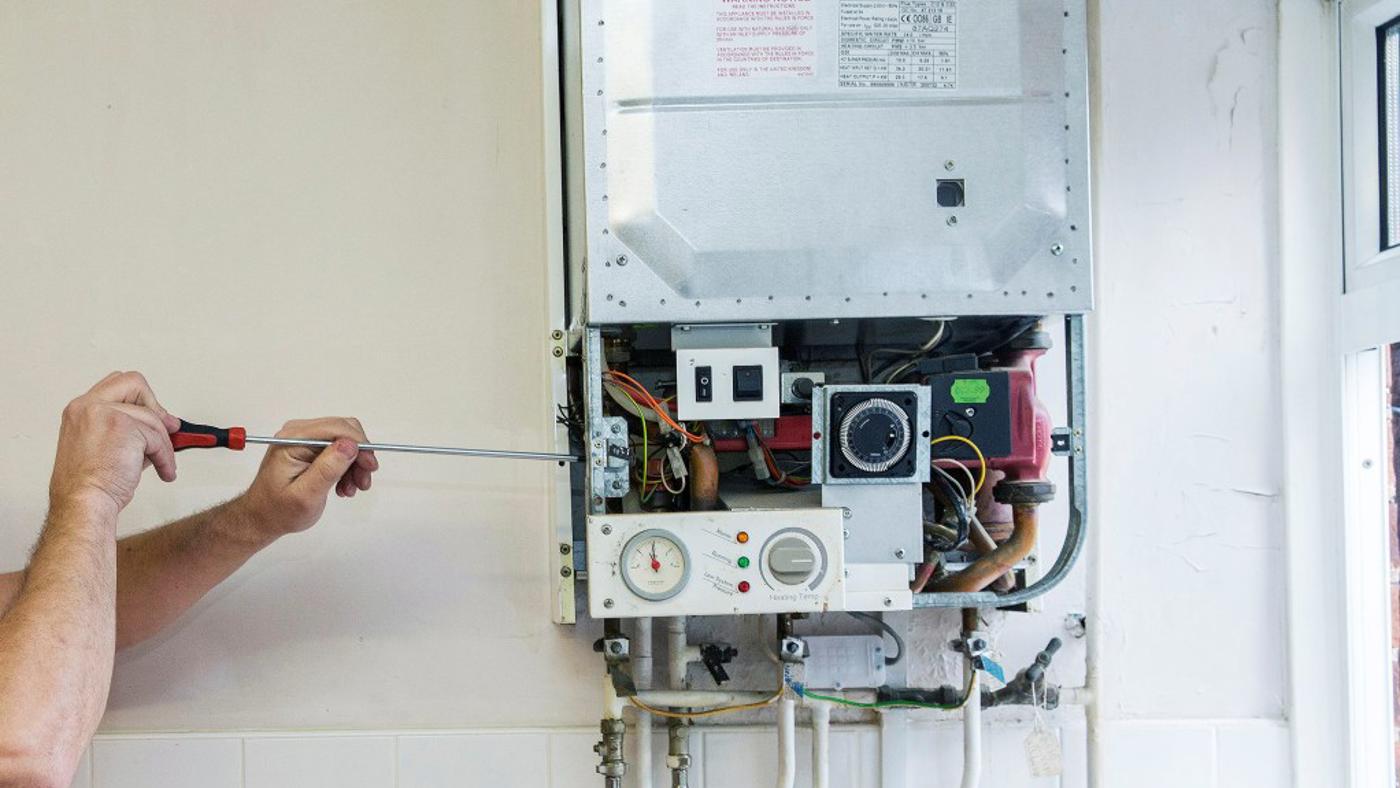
<point>743,586</point>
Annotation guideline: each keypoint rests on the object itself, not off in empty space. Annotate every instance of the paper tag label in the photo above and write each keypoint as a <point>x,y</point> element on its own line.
<point>899,44</point>
<point>1043,753</point>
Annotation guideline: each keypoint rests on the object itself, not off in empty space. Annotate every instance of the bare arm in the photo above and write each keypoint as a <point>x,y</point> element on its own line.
<point>84,594</point>
<point>9,589</point>
<point>164,571</point>
<point>57,637</point>
<point>161,573</point>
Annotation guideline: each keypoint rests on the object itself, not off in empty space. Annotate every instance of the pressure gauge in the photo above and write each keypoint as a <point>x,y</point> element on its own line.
<point>655,565</point>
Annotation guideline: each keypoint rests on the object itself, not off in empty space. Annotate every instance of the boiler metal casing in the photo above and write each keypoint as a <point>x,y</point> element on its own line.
<point>747,160</point>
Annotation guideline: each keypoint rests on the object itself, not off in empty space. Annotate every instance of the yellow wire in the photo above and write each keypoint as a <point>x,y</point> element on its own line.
<point>646,455</point>
<point>691,715</point>
<point>982,472</point>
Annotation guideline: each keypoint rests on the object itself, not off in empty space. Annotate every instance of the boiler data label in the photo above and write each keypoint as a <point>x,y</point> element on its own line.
<point>899,44</point>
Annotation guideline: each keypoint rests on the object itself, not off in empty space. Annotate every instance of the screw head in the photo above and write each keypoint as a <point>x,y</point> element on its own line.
<point>608,603</point>
<point>565,549</point>
<point>565,571</point>
<point>949,165</point>
<point>952,221</point>
<point>970,412</point>
<point>846,512</point>
<point>556,334</point>
<point>622,259</point>
<point>1057,249</point>
<point>888,601</point>
<point>615,648</point>
<point>617,484</point>
<point>558,352</point>
<point>607,529</point>
<point>845,533</point>
<point>899,553</point>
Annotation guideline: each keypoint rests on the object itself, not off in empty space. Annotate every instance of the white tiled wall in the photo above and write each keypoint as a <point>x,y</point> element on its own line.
<point>1187,754</point>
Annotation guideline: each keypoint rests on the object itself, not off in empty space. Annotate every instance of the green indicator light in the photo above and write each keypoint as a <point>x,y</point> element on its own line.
<point>743,562</point>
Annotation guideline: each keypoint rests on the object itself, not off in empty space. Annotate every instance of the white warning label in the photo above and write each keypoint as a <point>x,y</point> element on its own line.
<point>764,38</point>
<point>899,44</point>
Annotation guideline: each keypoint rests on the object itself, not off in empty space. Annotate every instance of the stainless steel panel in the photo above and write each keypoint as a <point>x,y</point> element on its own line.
<point>731,172</point>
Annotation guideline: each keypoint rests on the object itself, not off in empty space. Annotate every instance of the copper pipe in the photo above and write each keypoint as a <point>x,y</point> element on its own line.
<point>986,544</point>
<point>985,570</point>
<point>704,478</point>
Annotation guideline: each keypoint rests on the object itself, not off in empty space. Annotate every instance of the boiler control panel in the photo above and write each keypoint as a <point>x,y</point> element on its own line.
<point>716,563</point>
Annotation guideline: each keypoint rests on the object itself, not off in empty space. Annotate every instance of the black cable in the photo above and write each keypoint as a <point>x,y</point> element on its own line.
<point>888,630</point>
<point>952,495</point>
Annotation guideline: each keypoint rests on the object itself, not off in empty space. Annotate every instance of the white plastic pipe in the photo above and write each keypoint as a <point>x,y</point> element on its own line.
<point>677,651</point>
<point>612,704</point>
<point>821,744</point>
<point>787,743</point>
<point>642,672</point>
<point>972,731</point>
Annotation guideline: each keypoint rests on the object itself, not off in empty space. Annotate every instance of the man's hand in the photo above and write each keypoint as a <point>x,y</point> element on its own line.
<point>108,437</point>
<point>289,493</point>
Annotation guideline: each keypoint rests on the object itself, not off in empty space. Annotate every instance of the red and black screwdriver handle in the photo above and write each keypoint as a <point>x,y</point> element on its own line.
<point>203,436</point>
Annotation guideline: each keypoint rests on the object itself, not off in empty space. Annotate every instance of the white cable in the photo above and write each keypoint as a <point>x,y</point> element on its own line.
<point>972,480</point>
<point>787,742</point>
<point>924,348</point>
<point>821,744</point>
<point>972,731</point>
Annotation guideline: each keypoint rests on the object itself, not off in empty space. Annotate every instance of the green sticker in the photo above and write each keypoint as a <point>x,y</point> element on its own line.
<point>971,391</point>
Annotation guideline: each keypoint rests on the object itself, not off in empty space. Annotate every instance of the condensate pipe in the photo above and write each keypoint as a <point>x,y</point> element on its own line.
<point>642,670</point>
<point>981,573</point>
<point>787,742</point>
<point>821,744</point>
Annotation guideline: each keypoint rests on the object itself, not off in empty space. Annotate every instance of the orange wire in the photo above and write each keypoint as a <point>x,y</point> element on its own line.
<point>639,391</point>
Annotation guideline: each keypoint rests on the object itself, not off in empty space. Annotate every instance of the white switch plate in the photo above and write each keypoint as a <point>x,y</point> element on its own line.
<point>722,362</point>
<point>711,543</point>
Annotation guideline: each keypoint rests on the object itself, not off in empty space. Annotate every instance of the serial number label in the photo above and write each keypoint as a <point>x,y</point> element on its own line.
<point>898,44</point>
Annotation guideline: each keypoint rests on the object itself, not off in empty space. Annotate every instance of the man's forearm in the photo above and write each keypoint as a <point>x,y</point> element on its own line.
<point>162,572</point>
<point>56,645</point>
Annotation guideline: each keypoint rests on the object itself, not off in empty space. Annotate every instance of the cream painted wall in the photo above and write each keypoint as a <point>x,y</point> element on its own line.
<point>278,210</point>
<point>367,181</point>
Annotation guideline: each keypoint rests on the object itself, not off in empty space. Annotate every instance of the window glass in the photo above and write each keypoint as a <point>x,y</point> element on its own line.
<point>1388,59</point>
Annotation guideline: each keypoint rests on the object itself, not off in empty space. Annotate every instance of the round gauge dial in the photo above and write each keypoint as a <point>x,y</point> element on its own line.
<point>875,435</point>
<point>655,565</point>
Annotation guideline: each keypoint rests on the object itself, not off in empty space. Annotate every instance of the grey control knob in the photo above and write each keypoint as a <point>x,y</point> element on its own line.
<point>792,561</point>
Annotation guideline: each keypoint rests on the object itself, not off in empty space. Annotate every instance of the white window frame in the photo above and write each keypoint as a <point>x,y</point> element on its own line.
<point>1340,309</point>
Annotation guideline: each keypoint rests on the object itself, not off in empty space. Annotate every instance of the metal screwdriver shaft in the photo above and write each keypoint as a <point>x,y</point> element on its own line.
<point>203,436</point>
<point>412,449</point>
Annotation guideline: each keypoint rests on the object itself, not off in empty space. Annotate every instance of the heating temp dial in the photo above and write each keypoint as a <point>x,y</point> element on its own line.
<point>655,565</point>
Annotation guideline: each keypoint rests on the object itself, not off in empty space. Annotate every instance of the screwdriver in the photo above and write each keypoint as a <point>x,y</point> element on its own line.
<point>203,436</point>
